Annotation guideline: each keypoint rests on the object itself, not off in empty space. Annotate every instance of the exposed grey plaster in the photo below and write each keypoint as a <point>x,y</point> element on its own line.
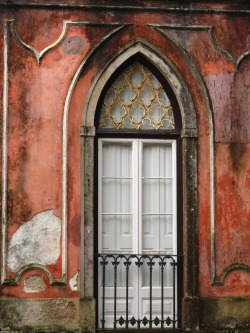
<point>34,284</point>
<point>36,241</point>
<point>73,282</point>
<point>39,315</point>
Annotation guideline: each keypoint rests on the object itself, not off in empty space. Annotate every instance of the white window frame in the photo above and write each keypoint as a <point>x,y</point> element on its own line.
<point>137,189</point>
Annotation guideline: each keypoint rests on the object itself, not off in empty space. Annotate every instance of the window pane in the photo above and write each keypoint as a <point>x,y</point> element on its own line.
<point>157,160</point>
<point>116,159</point>
<point>157,196</point>
<point>117,195</point>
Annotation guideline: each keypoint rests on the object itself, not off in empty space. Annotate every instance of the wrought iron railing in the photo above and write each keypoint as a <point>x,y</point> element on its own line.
<point>110,262</point>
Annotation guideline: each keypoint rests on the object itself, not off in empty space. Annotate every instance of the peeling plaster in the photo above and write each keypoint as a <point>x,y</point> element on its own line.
<point>34,284</point>
<point>35,242</point>
<point>73,282</point>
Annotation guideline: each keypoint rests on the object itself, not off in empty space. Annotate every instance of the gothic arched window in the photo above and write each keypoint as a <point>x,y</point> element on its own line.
<point>138,127</point>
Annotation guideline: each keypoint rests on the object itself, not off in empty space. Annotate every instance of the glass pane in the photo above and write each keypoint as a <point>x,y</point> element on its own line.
<point>117,195</point>
<point>117,159</point>
<point>136,100</point>
<point>157,196</point>
<point>157,160</point>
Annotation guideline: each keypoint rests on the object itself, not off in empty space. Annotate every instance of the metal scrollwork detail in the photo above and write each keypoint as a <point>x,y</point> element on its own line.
<point>136,100</point>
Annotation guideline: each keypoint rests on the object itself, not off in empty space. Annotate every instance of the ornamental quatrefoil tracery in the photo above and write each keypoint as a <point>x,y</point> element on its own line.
<point>136,100</point>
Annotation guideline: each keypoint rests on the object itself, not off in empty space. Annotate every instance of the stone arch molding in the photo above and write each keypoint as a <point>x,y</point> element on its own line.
<point>142,47</point>
<point>189,137</point>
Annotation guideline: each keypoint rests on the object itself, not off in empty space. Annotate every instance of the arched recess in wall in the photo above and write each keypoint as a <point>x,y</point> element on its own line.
<point>189,149</point>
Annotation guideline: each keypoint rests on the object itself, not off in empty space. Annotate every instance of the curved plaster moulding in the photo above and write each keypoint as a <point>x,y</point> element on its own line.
<point>192,63</point>
<point>215,280</point>
<point>66,25</point>
<point>72,85</point>
<point>16,280</point>
<point>210,30</point>
<point>220,280</point>
<point>39,55</point>
<point>4,221</point>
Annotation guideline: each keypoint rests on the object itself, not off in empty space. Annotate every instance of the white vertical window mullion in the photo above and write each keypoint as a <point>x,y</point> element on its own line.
<point>139,226</point>
<point>139,182</point>
<point>136,221</point>
<point>135,196</point>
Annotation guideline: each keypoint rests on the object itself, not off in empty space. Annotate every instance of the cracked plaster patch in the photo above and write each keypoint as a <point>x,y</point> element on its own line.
<point>35,242</point>
<point>73,282</point>
<point>34,284</point>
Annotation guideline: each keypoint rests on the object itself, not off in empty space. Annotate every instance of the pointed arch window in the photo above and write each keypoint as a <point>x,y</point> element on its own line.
<point>137,130</point>
<point>137,100</point>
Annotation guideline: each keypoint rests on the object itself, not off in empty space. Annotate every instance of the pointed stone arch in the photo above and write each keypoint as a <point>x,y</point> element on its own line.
<point>189,174</point>
<point>158,60</point>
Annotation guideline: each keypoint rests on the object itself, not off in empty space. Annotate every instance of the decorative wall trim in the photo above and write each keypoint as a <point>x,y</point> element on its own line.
<point>65,130</point>
<point>220,280</point>
<point>210,30</point>
<point>66,25</point>
<point>182,9</point>
<point>190,59</point>
<point>43,269</point>
<point>39,56</point>
<point>5,146</point>
<point>4,280</point>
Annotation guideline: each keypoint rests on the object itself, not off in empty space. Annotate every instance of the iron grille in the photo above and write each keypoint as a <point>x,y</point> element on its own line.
<point>148,261</point>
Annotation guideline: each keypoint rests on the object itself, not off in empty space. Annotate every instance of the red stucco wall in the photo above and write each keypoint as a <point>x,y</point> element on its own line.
<point>210,51</point>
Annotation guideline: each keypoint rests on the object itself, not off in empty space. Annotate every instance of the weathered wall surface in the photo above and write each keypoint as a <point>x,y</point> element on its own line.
<point>49,59</point>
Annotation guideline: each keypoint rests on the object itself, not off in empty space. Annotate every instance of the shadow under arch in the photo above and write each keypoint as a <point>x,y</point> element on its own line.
<point>144,49</point>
